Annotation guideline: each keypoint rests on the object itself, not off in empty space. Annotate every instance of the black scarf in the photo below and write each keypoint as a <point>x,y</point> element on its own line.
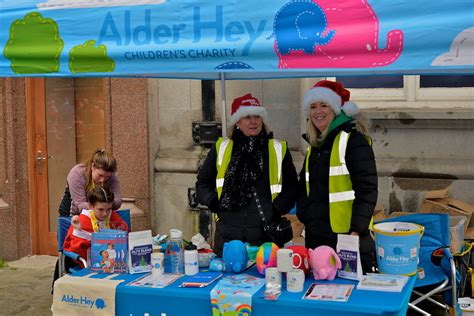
<point>245,167</point>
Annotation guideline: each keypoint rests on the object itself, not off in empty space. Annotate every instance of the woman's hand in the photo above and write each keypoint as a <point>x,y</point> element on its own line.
<point>354,234</point>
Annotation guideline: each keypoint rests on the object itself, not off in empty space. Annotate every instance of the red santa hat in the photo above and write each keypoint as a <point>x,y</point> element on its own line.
<point>246,105</point>
<point>332,93</point>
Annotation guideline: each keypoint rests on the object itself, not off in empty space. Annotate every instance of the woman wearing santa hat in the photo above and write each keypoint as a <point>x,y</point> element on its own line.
<point>247,170</point>
<point>337,189</point>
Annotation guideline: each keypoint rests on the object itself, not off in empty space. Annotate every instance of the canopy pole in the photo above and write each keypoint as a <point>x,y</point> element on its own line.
<point>223,106</point>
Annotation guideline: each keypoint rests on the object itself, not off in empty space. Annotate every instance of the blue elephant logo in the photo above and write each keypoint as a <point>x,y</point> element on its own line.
<point>397,251</point>
<point>299,25</point>
<point>100,303</point>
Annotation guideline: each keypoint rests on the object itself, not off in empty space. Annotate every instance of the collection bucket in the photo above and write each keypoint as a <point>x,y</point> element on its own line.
<point>397,246</point>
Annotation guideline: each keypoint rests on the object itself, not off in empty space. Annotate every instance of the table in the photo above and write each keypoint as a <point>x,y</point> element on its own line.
<point>173,300</point>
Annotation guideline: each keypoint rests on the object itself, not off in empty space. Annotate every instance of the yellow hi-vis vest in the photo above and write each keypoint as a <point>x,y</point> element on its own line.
<point>276,152</point>
<point>341,194</point>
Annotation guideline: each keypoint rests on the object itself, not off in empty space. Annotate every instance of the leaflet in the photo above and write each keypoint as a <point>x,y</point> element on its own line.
<point>329,292</point>
<point>202,279</point>
<point>156,281</point>
<point>382,282</point>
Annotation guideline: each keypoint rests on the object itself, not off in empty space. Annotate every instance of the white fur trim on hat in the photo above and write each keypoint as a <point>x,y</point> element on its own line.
<point>350,108</point>
<point>243,111</point>
<point>321,94</point>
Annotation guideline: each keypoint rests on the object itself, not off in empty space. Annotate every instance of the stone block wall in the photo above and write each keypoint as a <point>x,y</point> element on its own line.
<point>420,150</point>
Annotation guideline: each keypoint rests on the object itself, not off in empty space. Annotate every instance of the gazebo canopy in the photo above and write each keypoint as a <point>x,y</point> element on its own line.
<point>242,39</point>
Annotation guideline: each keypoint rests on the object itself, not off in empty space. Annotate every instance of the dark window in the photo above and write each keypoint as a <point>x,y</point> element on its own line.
<point>372,81</point>
<point>459,81</point>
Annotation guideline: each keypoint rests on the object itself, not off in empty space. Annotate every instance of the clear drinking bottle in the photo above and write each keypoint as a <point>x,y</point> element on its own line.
<point>175,252</point>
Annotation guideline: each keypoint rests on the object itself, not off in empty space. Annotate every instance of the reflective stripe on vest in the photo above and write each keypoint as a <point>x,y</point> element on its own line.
<point>224,152</point>
<point>341,194</point>
<point>306,174</point>
<point>276,153</point>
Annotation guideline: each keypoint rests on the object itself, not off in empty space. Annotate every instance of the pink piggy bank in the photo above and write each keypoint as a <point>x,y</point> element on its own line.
<point>325,263</point>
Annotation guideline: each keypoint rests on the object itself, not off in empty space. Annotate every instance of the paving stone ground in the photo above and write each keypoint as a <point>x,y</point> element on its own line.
<point>25,286</point>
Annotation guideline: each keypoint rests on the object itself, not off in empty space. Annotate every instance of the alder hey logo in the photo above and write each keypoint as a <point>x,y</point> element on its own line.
<point>84,301</point>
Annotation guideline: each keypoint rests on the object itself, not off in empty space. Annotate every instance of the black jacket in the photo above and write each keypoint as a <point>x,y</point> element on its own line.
<point>245,223</point>
<point>313,211</point>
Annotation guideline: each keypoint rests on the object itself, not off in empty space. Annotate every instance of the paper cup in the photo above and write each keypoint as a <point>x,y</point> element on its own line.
<point>295,280</point>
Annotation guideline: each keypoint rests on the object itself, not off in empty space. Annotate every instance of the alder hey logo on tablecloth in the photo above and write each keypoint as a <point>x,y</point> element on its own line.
<point>84,301</point>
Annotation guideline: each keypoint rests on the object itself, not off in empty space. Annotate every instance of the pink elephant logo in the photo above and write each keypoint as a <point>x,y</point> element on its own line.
<point>354,43</point>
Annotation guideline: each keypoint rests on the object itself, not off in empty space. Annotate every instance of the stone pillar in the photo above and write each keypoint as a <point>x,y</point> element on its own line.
<point>129,118</point>
<point>14,212</point>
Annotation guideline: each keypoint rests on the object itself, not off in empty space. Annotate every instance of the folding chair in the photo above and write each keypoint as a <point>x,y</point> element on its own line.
<point>64,222</point>
<point>436,267</point>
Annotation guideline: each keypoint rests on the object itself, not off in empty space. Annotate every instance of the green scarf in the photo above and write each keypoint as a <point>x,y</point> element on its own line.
<point>336,122</point>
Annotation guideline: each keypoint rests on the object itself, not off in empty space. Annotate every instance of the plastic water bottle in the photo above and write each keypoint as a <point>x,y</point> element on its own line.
<point>191,265</point>
<point>175,252</point>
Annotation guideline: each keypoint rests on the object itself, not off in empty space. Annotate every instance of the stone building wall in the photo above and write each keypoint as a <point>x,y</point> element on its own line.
<point>127,135</point>
<point>418,148</point>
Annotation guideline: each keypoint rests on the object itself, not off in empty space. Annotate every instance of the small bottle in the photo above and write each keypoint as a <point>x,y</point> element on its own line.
<point>191,264</point>
<point>157,263</point>
<point>175,253</point>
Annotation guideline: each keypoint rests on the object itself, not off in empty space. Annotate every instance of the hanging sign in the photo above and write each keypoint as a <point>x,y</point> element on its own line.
<point>243,39</point>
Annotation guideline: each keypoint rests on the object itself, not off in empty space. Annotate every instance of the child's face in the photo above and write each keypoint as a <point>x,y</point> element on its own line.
<point>105,255</point>
<point>102,210</point>
<point>111,246</point>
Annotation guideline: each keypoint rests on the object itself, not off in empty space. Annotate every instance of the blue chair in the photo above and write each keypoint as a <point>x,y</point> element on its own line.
<point>436,267</point>
<point>64,222</point>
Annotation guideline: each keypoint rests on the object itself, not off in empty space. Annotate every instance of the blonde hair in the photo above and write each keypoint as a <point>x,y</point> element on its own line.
<point>100,159</point>
<point>315,137</point>
<point>312,133</point>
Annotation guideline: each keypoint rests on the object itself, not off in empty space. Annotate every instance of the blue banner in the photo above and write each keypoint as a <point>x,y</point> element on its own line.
<point>243,39</point>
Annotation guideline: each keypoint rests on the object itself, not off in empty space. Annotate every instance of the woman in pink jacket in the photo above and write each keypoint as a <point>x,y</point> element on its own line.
<point>99,169</point>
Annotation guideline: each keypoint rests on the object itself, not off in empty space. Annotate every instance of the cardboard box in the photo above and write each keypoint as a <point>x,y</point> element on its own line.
<point>437,194</point>
<point>469,235</point>
<point>298,228</point>
<point>379,213</point>
<point>456,232</point>
<point>379,216</point>
<point>439,202</point>
<point>396,214</point>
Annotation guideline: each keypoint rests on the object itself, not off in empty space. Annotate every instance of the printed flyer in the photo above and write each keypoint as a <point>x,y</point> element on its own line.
<point>109,249</point>
<point>329,292</point>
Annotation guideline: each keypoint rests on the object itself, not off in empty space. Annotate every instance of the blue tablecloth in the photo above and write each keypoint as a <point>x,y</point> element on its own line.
<point>173,300</point>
